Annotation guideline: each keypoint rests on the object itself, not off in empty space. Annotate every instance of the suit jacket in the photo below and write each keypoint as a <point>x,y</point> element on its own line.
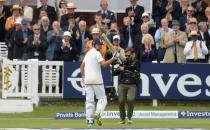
<point>139,10</point>
<point>207,39</point>
<point>44,32</point>
<point>10,40</point>
<point>79,41</point>
<point>65,54</point>
<point>169,54</point>
<point>52,41</point>
<point>124,34</point>
<point>3,17</point>
<point>52,15</point>
<point>37,51</point>
<point>109,15</point>
<point>19,46</point>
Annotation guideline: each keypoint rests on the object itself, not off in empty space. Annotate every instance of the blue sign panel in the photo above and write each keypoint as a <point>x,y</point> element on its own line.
<point>69,115</point>
<point>72,80</point>
<point>194,114</point>
<point>158,81</point>
<point>175,81</point>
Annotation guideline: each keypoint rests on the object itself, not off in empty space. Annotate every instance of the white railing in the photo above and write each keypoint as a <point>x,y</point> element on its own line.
<point>3,50</point>
<point>51,80</point>
<point>31,79</point>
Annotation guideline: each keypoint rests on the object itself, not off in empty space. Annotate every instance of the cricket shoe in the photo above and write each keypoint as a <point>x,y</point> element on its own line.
<point>121,122</point>
<point>90,123</point>
<point>129,121</point>
<point>97,118</point>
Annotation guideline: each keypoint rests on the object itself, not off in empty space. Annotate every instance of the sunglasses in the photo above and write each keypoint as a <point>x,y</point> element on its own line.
<point>127,55</point>
<point>36,29</point>
<point>190,10</point>
<point>145,17</point>
<point>193,23</point>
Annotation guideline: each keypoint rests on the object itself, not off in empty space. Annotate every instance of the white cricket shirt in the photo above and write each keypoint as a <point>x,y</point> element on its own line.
<point>92,61</point>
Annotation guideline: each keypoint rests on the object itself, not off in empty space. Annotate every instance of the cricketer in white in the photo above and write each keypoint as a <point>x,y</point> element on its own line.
<point>93,82</point>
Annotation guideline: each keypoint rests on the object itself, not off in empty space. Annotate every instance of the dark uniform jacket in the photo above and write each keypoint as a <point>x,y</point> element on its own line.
<point>131,72</point>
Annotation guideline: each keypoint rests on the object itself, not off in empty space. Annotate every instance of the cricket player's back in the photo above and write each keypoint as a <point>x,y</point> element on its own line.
<point>93,67</point>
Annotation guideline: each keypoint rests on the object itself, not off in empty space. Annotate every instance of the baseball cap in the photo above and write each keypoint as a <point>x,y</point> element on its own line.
<point>145,14</point>
<point>24,22</point>
<point>116,37</point>
<point>67,33</point>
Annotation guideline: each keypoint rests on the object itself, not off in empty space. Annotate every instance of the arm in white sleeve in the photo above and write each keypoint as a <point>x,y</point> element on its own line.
<point>204,48</point>
<point>187,49</point>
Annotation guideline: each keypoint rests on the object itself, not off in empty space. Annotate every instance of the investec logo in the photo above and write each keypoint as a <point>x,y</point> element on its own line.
<point>183,82</point>
<point>76,80</point>
<point>194,114</point>
<point>164,86</point>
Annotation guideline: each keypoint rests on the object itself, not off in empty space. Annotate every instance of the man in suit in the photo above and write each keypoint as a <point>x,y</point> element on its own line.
<point>27,11</point>
<point>49,9</point>
<point>70,12</point>
<point>207,33</point>
<point>171,10</point>
<point>45,26</point>
<point>127,33</point>
<point>82,37</point>
<point>20,47</point>
<point>176,44</point>
<point>207,14</point>
<point>99,23</point>
<point>161,38</point>
<point>54,37</point>
<point>107,15</point>
<point>4,14</point>
<point>37,44</point>
<point>184,19</point>
<point>135,12</point>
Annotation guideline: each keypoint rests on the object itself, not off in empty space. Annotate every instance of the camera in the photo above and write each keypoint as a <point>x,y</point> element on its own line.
<point>113,31</point>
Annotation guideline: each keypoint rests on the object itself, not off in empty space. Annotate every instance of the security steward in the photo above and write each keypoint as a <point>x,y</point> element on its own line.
<point>129,74</point>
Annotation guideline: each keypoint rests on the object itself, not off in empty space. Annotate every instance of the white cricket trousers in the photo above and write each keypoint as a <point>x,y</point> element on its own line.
<point>92,91</point>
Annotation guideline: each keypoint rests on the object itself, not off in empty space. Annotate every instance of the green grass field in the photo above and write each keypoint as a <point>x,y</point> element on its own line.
<point>43,117</point>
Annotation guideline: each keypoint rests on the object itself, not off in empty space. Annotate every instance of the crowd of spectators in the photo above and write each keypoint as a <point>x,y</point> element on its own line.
<point>174,32</point>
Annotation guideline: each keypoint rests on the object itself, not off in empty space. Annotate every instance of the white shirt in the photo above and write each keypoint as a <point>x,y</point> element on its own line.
<point>28,12</point>
<point>92,69</point>
<point>189,50</point>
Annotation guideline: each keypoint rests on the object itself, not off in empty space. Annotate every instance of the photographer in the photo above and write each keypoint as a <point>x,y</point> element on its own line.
<point>129,73</point>
<point>114,30</point>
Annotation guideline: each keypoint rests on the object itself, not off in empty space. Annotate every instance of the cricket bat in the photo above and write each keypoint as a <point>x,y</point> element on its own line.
<point>110,46</point>
<point>107,42</point>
